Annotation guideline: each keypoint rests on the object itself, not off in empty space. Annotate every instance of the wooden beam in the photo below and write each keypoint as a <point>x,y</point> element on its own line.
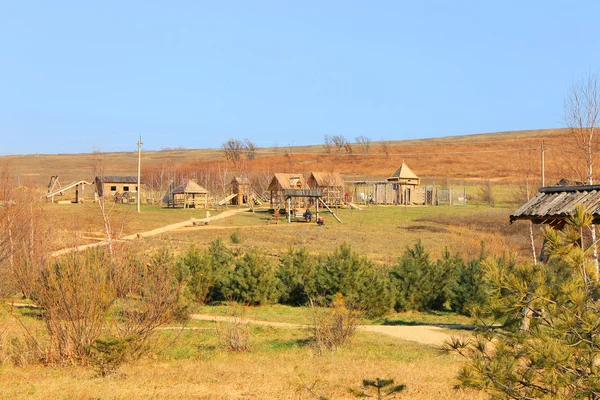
<point>327,207</point>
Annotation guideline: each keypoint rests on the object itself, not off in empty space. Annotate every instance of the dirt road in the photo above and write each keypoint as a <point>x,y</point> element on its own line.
<point>424,334</point>
<point>153,232</point>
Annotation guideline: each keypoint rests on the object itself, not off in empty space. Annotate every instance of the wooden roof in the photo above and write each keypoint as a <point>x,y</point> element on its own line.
<point>190,187</point>
<point>403,172</point>
<point>283,181</point>
<point>556,203</point>
<point>324,179</point>
<point>241,180</point>
<point>117,179</point>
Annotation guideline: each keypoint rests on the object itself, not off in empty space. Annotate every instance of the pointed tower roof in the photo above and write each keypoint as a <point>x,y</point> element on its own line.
<point>403,172</point>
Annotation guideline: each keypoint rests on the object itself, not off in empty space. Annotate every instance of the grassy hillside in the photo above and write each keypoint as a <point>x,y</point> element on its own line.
<point>503,156</point>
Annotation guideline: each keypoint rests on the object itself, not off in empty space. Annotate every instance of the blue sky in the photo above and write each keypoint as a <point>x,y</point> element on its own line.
<point>81,75</point>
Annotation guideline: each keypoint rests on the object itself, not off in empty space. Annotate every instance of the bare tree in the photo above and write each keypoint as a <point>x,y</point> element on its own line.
<point>232,150</point>
<point>288,155</point>
<point>364,144</point>
<point>328,144</point>
<point>582,109</point>
<point>96,162</point>
<point>348,147</point>
<point>386,146</point>
<point>339,141</point>
<point>250,149</point>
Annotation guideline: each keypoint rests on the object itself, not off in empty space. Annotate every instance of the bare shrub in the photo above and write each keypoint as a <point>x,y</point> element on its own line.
<point>75,293</point>
<point>22,235</point>
<point>486,194</point>
<point>233,333</point>
<point>154,299</point>
<point>334,326</point>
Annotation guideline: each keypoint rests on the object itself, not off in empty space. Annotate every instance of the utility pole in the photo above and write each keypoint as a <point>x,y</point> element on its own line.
<point>543,167</point>
<point>139,186</point>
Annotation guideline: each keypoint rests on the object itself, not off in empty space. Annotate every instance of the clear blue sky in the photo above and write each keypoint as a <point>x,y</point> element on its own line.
<point>74,75</point>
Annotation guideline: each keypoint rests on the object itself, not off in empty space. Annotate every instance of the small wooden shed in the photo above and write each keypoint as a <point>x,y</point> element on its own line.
<point>240,186</point>
<point>282,182</point>
<point>116,186</point>
<point>112,184</point>
<point>330,184</point>
<point>187,195</point>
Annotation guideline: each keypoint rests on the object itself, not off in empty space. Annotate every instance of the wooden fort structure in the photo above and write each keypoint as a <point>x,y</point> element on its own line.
<point>282,182</point>
<point>331,185</point>
<point>241,188</point>
<point>402,187</point>
<point>186,195</point>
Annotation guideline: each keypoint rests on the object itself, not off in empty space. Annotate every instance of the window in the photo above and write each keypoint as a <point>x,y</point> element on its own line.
<point>126,188</point>
<point>113,188</point>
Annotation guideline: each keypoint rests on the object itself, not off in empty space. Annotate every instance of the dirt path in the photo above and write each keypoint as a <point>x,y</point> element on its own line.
<point>424,334</point>
<point>152,232</point>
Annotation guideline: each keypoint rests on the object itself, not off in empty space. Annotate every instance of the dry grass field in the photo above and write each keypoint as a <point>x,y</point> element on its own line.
<point>379,232</point>
<point>190,363</point>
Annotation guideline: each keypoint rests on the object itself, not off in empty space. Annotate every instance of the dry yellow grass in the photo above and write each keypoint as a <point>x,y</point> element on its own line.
<point>380,233</point>
<point>267,372</point>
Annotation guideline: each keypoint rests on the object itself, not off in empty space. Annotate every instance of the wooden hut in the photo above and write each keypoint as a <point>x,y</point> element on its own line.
<point>116,187</point>
<point>330,184</point>
<point>187,195</point>
<point>240,186</point>
<point>282,182</point>
<point>553,205</point>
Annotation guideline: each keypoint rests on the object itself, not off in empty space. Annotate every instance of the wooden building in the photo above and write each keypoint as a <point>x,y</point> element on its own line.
<point>404,185</point>
<point>116,186</point>
<point>243,192</point>
<point>553,205</point>
<point>330,184</point>
<point>282,182</point>
<point>400,188</point>
<point>187,195</point>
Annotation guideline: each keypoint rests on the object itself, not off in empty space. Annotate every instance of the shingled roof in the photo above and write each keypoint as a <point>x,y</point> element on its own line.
<point>117,179</point>
<point>554,204</point>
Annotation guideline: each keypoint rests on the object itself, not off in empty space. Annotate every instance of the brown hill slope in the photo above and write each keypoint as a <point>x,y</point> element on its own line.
<point>503,156</point>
